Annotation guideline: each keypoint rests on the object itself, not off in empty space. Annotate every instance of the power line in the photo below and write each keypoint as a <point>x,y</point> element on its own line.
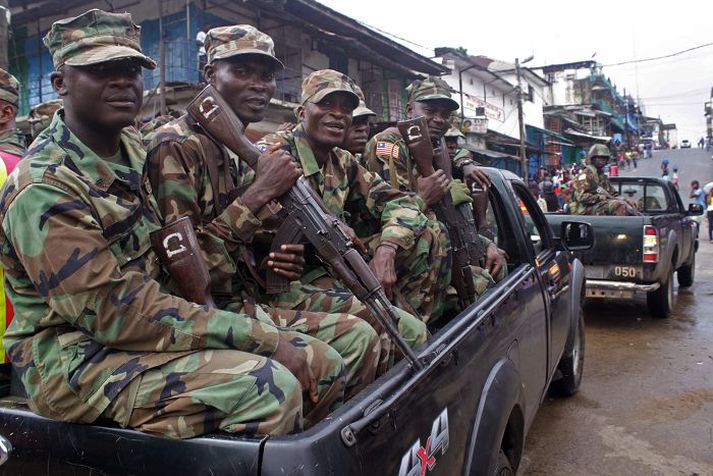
<point>659,57</point>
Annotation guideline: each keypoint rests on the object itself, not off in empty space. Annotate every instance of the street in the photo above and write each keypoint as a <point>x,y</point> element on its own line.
<point>646,402</point>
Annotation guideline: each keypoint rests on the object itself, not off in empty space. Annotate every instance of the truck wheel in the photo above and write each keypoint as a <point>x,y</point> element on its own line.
<point>687,273</point>
<point>503,468</point>
<point>571,364</point>
<point>660,302</point>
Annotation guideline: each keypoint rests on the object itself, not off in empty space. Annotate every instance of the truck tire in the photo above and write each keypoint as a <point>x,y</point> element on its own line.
<point>503,467</point>
<point>660,302</point>
<point>687,273</point>
<point>571,364</point>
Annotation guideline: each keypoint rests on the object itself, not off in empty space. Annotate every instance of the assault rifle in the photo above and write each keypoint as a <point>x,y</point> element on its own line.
<point>466,245</point>
<point>304,215</point>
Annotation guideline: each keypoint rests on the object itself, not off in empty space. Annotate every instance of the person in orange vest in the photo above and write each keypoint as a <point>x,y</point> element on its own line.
<point>12,148</point>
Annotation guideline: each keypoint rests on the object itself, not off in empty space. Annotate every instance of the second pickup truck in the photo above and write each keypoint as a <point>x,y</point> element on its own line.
<point>641,253</point>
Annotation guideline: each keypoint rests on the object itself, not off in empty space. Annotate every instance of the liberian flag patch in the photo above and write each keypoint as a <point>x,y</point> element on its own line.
<point>387,149</point>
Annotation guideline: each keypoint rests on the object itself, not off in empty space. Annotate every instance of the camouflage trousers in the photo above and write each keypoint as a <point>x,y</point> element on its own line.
<point>352,338</point>
<point>482,279</point>
<point>424,272</point>
<point>326,294</point>
<point>211,390</point>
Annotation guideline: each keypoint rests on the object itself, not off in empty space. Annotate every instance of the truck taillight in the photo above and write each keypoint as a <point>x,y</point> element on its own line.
<point>651,244</point>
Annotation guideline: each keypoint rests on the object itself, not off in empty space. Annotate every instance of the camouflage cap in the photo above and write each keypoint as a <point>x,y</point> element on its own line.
<point>9,87</point>
<point>327,81</point>
<point>430,89</point>
<point>599,150</point>
<point>361,109</point>
<point>95,37</point>
<point>228,41</point>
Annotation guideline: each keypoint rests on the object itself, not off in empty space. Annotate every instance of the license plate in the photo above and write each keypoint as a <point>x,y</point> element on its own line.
<point>624,272</point>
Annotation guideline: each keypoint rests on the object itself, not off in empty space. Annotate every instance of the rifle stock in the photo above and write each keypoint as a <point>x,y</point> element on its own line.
<point>462,231</point>
<point>177,247</point>
<point>309,215</point>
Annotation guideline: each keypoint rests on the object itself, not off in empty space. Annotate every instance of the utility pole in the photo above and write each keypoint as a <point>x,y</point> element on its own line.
<point>162,60</point>
<point>521,121</point>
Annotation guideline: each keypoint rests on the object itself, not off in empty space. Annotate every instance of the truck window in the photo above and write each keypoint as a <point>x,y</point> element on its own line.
<point>534,220</point>
<point>648,197</point>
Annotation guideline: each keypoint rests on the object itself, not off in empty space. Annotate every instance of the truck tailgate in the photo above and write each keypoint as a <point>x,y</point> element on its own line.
<point>618,241</point>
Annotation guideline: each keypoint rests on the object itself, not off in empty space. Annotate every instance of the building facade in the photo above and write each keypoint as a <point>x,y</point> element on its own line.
<point>308,36</point>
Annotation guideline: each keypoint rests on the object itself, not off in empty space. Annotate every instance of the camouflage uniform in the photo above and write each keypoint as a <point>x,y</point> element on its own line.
<point>592,192</point>
<point>177,165</point>
<point>348,190</point>
<point>13,142</point>
<point>12,148</point>
<point>95,333</point>
<point>387,155</point>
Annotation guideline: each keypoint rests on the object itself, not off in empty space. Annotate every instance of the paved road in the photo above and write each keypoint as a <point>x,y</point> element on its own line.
<point>646,403</point>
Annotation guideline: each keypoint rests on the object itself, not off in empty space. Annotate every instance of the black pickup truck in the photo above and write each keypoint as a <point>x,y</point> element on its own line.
<point>641,253</point>
<point>466,411</point>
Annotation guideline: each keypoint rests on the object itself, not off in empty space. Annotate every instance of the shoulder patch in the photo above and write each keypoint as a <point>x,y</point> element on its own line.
<point>387,149</point>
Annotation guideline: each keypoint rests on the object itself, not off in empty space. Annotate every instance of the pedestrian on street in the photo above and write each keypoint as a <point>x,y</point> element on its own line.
<point>675,179</point>
<point>664,169</point>
<point>709,213</point>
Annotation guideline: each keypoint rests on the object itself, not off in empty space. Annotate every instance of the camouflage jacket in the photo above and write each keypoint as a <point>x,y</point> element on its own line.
<point>591,187</point>
<point>387,155</point>
<point>348,190</point>
<point>90,314</point>
<point>176,165</point>
<point>13,142</point>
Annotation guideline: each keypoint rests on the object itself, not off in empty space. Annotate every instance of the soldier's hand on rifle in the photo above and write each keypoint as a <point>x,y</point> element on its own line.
<point>289,262</point>
<point>296,362</point>
<point>276,173</point>
<point>356,241</point>
<point>474,176</point>
<point>433,188</point>
<point>382,265</point>
<point>495,259</point>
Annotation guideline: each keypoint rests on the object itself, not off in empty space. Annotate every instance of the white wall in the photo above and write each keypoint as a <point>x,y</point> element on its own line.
<point>532,110</point>
<point>500,103</point>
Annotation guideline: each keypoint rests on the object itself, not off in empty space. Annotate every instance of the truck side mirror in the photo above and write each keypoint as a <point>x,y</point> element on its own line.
<point>695,209</point>
<point>576,235</point>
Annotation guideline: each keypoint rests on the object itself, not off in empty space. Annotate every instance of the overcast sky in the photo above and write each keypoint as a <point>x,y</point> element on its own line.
<point>559,31</point>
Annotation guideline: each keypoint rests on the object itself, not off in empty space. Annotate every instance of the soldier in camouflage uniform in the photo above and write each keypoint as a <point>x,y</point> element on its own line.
<point>399,248</point>
<point>12,140</point>
<point>387,154</point>
<point>459,155</point>
<point>12,148</point>
<point>358,133</point>
<point>593,194</point>
<point>95,332</point>
<point>241,66</point>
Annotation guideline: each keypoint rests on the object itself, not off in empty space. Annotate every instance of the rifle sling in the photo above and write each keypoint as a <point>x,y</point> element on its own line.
<point>232,193</point>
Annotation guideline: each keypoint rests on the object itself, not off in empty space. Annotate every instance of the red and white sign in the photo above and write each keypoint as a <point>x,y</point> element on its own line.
<point>491,111</point>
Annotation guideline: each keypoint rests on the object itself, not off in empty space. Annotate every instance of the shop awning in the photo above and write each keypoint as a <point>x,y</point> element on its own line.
<point>574,133</point>
<point>491,154</point>
<point>551,134</point>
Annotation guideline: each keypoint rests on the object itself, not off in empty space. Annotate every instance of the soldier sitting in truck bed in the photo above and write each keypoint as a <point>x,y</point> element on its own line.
<point>593,194</point>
